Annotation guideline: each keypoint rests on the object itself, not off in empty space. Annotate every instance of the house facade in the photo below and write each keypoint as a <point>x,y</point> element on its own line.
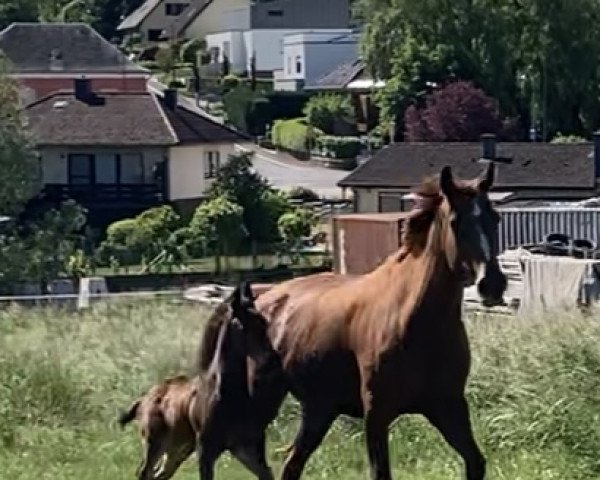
<point>527,173</point>
<point>307,56</point>
<point>152,19</point>
<point>44,58</point>
<point>118,153</point>
<point>242,29</point>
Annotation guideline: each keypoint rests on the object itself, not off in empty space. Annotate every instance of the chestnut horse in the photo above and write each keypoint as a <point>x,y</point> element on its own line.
<point>392,341</point>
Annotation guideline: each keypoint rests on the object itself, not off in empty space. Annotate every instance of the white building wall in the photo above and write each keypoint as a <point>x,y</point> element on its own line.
<point>220,16</point>
<point>237,48</point>
<point>366,200</point>
<point>186,169</point>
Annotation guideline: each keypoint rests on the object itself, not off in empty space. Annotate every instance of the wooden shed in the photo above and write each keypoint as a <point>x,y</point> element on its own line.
<point>362,241</point>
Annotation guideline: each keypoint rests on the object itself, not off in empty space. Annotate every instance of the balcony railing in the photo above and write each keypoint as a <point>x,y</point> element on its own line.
<point>106,193</point>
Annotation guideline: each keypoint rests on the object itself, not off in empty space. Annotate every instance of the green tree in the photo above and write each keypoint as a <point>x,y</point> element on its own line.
<point>218,226</point>
<point>528,54</point>
<point>19,167</point>
<point>294,226</point>
<point>324,111</point>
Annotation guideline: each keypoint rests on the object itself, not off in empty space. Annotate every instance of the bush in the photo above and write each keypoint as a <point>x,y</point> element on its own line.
<point>303,193</point>
<point>247,111</point>
<point>292,135</point>
<point>338,147</point>
<point>231,81</point>
<point>324,111</point>
<point>567,139</point>
<point>190,49</point>
<point>146,235</point>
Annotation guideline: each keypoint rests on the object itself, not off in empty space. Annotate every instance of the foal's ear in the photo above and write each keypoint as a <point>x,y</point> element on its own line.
<point>447,184</point>
<point>486,180</point>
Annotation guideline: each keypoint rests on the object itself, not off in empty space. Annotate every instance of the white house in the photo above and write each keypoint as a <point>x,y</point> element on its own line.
<point>243,29</point>
<point>122,152</point>
<point>307,56</point>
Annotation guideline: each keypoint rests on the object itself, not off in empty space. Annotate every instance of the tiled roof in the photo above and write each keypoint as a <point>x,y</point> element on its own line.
<point>339,77</point>
<point>75,47</point>
<point>124,119</point>
<point>191,127</point>
<point>520,165</point>
<point>135,18</point>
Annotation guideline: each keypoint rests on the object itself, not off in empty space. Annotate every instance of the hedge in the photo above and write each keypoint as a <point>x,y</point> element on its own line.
<point>292,135</point>
<point>338,147</point>
<point>287,105</point>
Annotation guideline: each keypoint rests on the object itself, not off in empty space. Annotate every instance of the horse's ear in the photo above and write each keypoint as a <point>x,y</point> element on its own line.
<point>486,180</point>
<point>246,295</point>
<point>242,299</point>
<point>447,184</point>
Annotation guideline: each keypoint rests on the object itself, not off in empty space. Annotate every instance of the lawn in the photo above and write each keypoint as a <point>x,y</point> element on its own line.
<point>64,376</point>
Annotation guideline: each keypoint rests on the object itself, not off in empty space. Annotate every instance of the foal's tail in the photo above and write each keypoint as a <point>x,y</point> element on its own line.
<point>129,415</point>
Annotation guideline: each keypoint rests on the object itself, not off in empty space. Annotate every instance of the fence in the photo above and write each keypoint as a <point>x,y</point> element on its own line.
<point>523,226</point>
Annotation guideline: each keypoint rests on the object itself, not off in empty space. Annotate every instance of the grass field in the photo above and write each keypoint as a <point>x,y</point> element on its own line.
<point>535,393</point>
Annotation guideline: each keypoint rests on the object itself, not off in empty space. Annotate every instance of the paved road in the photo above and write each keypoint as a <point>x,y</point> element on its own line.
<point>280,169</point>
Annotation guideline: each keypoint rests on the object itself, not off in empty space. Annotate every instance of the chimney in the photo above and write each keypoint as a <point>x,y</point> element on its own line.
<point>171,98</point>
<point>83,89</point>
<point>488,142</point>
<point>597,154</point>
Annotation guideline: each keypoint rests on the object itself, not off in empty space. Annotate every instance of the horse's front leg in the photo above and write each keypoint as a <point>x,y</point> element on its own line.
<point>207,457</point>
<point>451,417</point>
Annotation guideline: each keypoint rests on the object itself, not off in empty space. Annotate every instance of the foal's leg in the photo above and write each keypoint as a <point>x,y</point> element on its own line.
<point>252,456</point>
<point>376,431</point>
<point>451,418</point>
<point>206,461</point>
<point>313,428</point>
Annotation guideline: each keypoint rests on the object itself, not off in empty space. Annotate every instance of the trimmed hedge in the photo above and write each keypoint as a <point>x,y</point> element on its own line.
<point>292,135</point>
<point>287,105</point>
<point>338,147</point>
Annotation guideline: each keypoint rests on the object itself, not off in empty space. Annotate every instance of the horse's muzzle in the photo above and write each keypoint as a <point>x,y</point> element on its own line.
<point>492,286</point>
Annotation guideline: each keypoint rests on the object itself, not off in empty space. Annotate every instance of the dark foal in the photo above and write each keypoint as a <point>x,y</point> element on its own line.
<point>237,365</point>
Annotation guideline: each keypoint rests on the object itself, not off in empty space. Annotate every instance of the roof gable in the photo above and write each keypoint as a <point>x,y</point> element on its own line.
<point>191,127</point>
<point>340,76</point>
<point>519,165</point>
<point>74,48</point>
<point>135,18</point>
<point>183,21</point>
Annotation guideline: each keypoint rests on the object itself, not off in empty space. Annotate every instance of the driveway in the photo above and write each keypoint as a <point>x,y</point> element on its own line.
<point>280,169</point>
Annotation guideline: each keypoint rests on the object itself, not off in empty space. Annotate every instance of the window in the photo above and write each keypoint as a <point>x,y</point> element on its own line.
<point>394,202</point>
<point>107,171</point>
<point>275,13</point>
<point>132,168</point>
<point>174,9</point>
<point>298,64</point>
<point>212,163</point>
<point>154,34</point>
<point>81,169</point>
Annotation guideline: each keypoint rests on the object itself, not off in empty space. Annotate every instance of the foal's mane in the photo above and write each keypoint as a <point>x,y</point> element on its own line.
<point>210,336</point>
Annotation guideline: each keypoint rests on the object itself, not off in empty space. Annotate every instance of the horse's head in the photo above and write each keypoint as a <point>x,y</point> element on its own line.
<point>472,234</point>
<point>256,342</point>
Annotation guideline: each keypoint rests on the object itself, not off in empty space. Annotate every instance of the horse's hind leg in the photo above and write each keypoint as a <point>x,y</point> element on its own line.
<point>314,426</point>
<point>252,456</point>
<point>451,418</point>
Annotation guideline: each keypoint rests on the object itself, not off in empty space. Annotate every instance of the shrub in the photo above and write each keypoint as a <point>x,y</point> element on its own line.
<point>146,235</point>
<point>338,147</point>
<point>567,139</point>
<point>323,111</point>
<point>247,111</point>
<point>293,135</point>
<point>231,81</point>
<point>303,193</point>
<point>190,49</point>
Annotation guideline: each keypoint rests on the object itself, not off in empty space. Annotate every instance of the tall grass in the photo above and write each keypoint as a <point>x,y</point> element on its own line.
<point>534,392</point>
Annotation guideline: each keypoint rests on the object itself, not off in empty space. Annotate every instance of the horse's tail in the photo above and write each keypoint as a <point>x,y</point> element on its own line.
<point>129,415</point>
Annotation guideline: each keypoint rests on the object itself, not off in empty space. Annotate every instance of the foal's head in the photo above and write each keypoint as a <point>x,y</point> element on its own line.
<point>469,230</point>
